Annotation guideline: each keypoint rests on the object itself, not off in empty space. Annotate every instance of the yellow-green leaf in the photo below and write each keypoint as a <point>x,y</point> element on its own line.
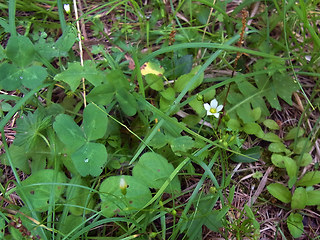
<point>151,68</point>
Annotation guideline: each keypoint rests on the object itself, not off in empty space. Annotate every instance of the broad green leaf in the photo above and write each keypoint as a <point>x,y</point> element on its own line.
<point>256,113</point>
<point>301,146</point>
<point>90,159</point>
<point>272,125</point>
<point>20,50</point>
<point>271,137</point>
<point>78,196</point>
<point>183,65</point>
<point>205,215</point>
<point>165,104</point>
<point>303,160</point>
<point>113,201</point>
<point>171,129</point>
<point>191,120</point>
<point>247,156</point>
<point>183,80</point>
<point>250,92</point>
<point>19,158</point>
<point>181,144</point>
<point>280,192</point>
<point>72,76</point>
<point>66,41</point>
<point>94,123</point>
<point>118,80</point>
<point>234,124</point>
<point>39,195</point>
<point>209,95</point>
<point>278,160</point>
<point>253,128</point>
<point>309,179</point>
<point>152,68</point>
<point>102,94</point>
<point>202,14</point>
<point>155,82</point>
<point>35,158</point>
<point>71,222</point>
<point>197,106</point>
<point>69,132</point>
<point>295,225</point>
<point>5,107</point>
<point>92,74</point>
<point>75,72</point>
<point>299,198</point>
<point>47,50</point>
<point>10,77</point>
<point>293,133</point>
<point>33,76</point>
<point>291,167</point>
<point>313,198</point>
<point>30,128</point>
<point>214,220</point>
<point>159,140</point>
<point>154,170</point>
<point>168,94</point>
<point>127,102</point>
<point>285,86</point>
<point>277,147</point>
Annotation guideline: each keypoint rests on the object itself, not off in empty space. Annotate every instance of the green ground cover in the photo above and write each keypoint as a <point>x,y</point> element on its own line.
<point>171,119</point>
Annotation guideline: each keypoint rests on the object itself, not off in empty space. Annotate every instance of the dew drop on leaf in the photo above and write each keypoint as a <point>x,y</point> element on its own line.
<point>21,77</point>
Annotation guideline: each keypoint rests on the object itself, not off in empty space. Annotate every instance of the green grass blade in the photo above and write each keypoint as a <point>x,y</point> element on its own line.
<point>61,15</point>
<point>12,16</point>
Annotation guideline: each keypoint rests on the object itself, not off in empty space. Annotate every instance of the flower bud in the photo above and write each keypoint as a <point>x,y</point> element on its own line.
<point>174,212</point>
<point>199,97</point>
<point>225,144</point>
<point>213,190</point>
<point>123,186</point>
<point>66,8</point>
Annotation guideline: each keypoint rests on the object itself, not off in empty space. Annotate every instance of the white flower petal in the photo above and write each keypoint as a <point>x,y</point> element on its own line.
<point>209,113</point>
<point>207,106</point>
<point>66,8</point>
<point>216,115</point>
<point>214,103</point>
<point>219,108</point>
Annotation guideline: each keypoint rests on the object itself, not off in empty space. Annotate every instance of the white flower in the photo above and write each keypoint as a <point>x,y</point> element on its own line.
<point>66,8</point>
<point>213,108</point>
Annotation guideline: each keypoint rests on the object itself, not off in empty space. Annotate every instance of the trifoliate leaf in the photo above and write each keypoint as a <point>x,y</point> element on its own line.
<point>75,72</point>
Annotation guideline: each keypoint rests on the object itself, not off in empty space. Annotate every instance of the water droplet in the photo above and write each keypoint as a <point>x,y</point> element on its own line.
<point>86,160</point>
<point>21,77</point>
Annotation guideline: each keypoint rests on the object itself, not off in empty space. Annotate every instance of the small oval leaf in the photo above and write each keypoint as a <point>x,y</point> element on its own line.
<point>280,192</point>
